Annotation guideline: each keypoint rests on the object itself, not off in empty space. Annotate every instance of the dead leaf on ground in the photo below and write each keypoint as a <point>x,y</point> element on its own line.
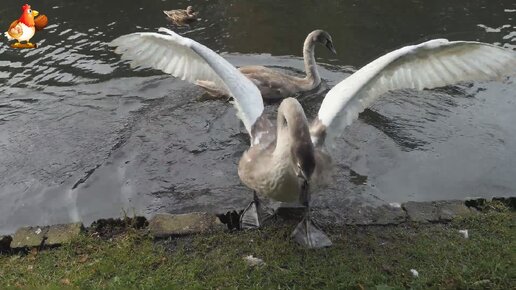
<point>65,281</point>
<point>83,258</point>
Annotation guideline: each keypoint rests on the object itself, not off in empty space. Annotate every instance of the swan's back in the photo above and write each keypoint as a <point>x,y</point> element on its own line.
<point>275,85</point>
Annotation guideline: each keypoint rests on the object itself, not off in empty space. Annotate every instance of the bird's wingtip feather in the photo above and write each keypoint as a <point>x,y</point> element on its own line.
<point>434,43</point>
<point>167,31</point>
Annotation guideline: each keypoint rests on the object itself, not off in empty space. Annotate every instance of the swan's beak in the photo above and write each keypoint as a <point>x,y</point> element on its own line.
<point>302,154</point>
<point>329,45</point>
<point>302,175</point>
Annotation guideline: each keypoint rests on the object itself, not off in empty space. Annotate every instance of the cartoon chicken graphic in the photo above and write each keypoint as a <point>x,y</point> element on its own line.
<point>25,27</point>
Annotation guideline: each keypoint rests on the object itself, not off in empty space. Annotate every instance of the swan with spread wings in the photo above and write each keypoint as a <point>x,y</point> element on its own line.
<point>288,159</point>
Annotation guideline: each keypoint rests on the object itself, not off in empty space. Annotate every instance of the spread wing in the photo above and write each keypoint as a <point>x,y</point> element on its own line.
<point>430,64</point>
<point>191,61</point>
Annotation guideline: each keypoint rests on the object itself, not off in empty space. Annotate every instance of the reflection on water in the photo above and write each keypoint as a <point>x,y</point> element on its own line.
<point>82,136</point>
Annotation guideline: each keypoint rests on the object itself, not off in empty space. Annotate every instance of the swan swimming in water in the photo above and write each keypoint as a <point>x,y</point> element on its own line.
<point>288,159</point>
<point>275,85</point>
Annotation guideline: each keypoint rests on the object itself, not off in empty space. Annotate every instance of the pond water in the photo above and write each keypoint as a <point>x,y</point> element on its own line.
<point>82,136</point>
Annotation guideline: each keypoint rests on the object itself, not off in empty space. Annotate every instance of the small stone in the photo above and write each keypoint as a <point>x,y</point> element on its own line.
<point>5,242</point>
<point>62,234</point>
<point>165,225</point>
<point>29,237</point>
<point>253,261</point>
<point>464,233</point>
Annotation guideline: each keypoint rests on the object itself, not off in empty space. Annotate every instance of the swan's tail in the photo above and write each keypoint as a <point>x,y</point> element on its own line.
<point>212,89</point>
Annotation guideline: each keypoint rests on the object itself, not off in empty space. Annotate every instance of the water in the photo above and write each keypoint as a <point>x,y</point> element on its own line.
<point>82,136</point>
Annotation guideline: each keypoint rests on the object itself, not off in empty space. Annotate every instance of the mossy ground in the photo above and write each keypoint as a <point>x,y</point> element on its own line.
<point>367,257</point>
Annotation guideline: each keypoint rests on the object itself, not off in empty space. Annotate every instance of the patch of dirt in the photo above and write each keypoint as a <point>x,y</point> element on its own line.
<point>109,228</point>
<point>5,243</point>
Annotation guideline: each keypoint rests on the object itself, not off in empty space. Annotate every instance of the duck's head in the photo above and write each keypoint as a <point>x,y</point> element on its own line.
<point>324,38</point>
<point>190,10</point>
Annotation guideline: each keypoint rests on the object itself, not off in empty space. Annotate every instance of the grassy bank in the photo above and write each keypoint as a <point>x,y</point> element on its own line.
<point>370,257</point>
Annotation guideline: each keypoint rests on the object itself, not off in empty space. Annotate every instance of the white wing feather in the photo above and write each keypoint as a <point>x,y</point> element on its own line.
<point>430,64</point>
<point>191,61</point>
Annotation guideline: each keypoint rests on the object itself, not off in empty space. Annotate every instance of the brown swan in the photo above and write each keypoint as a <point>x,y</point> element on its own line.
<point>288,159</point>
<point>275,85</point>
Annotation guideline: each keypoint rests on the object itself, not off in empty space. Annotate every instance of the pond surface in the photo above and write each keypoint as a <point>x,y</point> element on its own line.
<point>82,136</point>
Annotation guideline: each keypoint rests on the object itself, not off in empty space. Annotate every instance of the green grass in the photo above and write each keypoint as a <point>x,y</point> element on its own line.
<point>371,257</point>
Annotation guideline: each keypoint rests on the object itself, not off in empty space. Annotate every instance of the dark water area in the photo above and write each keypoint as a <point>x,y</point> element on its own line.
<point>82,136</point>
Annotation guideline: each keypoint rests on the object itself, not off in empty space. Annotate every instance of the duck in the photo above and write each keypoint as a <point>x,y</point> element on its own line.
<point>25,27</point>
<point>182,16</point>
<point>290,158</point>
<point>275,85</point>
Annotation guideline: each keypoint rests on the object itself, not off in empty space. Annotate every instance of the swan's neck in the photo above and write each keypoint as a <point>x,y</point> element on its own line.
<point>312,75</point>
<point>293,141</point>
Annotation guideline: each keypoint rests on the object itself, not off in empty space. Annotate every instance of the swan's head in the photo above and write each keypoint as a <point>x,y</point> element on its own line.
<point>292,121</point>
<point>303,157</point>
<point>323,38</point>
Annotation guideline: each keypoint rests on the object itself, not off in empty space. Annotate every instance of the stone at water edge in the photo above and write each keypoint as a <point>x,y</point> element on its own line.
<point>165,225</point>
<point>29,237</point>
<point>63,234</point>
<point>448,210</point>
<point>436,210</point>
<point>381,215</point>
<point>47,235</point>
<point>420,211</point>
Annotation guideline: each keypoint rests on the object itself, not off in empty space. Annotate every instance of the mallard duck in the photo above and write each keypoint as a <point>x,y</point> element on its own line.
<point>288,159</point>
<point>182,16</point>
<point>275,85</point>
